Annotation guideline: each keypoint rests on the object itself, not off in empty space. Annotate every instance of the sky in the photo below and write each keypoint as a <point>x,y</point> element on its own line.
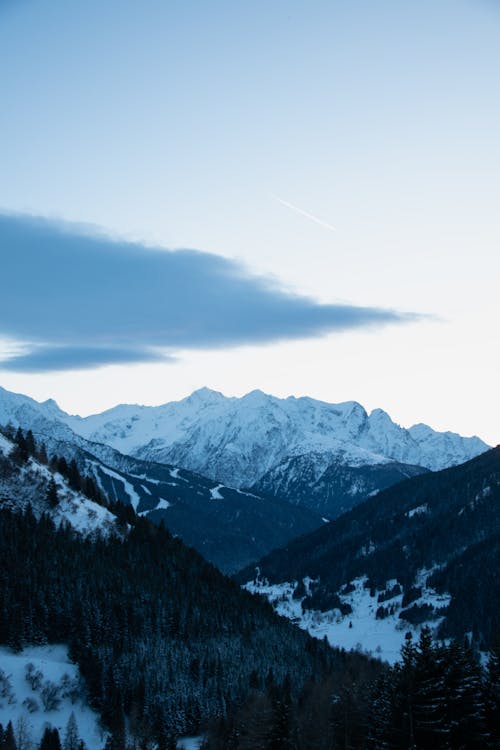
<point>300,197</point>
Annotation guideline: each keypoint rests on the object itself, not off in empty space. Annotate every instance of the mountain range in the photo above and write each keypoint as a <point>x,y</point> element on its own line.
<point>228,526</point>
<point>165,644</point>
<point>327,457</point>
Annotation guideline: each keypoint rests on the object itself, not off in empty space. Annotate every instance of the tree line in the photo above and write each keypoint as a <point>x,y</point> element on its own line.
<point>437,697</point>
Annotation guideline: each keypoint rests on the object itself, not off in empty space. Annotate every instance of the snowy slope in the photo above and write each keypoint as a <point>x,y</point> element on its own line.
<point>27,484</point>
<point>228,526</point>
<point>30,710</point>
<point>427,549</point>
<point>360,630</point>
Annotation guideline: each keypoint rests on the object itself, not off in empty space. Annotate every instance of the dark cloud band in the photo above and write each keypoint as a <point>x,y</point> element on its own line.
<point>84,300</point>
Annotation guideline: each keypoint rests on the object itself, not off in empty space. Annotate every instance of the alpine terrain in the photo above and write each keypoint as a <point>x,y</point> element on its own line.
<point>424,551</point>
<point>327,457</point>
<point>229,527</point>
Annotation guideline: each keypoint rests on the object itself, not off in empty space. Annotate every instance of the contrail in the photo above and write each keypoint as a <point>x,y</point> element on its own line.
<point>306,214</point>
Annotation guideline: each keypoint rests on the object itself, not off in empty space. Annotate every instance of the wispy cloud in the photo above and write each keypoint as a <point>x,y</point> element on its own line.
<point>306,214</point>
<point>74,299</point>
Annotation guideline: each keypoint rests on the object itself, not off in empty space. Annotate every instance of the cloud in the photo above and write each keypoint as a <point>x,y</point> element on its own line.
<point>49,358</point>
<point>75,299</point>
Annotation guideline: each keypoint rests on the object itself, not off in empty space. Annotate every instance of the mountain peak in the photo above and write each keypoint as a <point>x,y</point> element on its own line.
<point>256,396</point>
<point>380,415</point>
<point>205,394</point>
<point>52,406</point>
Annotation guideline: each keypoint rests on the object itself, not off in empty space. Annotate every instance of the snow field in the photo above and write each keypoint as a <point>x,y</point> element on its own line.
<point>360,630</point>
<point>52,661</point>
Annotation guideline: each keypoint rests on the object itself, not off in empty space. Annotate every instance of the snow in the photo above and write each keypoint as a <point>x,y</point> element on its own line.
<point>417,511</point>
<point>144,476</point>
<point>215,492</point>
<point>53,662</point>
<point>84,515</point>
<point>247,494</point>
<point>161,505</point>
<point>145,489</point>
<point>5,445</point>
<point>367,549</point>
<point>189,743</point>
<point>238,440</point>
<point>134,497</point>
<point>360,630</point>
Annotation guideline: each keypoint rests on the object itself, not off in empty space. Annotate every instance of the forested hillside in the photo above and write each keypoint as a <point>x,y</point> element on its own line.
<point>439,530</point>
<point>436,697</point>
<point>161,637</point>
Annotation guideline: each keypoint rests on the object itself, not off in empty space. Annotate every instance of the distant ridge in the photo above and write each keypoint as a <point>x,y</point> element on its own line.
<point>309,452</point>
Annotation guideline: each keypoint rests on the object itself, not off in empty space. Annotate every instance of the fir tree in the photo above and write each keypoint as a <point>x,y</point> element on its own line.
<point>20,453</point>
<point>71,739</point>
<point>52,496</point>
<point>42,454</point>
<point>9,740</point>
<point>30,443</point>
<point>492,697</point>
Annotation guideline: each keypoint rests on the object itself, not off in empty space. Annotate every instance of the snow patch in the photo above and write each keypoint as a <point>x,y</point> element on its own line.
<point>134,497</point>
<point>5,445</point>
<point>161,505</point>
<point>144,476</point>
<point>85,516</point>
<point>189,743</point>
<point>215,492</point>
<point>417,511</point>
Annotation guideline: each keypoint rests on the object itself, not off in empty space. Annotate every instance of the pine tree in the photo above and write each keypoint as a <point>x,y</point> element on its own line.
<point>20,453</point>
<point>464,699</point>
<point>282,730</point>
<point>73,474</point>
<point>492,697</point>
<point>30,443</point>
<point>52,496</point>
<point>10,740</point>
<point>46,743</point>
<point>71,738</point>
<point>23,734</point>
<point>428,697</point>
<point>42,454</point>
<point>381,714</point>
<point>62,466</point>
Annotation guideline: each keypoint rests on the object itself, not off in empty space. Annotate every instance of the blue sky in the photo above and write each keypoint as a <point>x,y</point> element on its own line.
<point>202,124</point>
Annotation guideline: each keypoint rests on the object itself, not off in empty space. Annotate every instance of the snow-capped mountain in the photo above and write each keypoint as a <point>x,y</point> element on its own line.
<point>326,456</point>
<point>228,526</point>
<point>238,440</point>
